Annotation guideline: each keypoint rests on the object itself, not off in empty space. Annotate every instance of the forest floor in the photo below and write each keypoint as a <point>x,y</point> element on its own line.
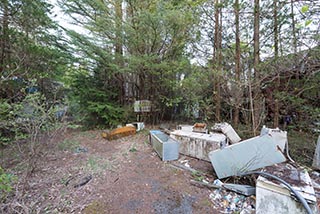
<point>124,176</point>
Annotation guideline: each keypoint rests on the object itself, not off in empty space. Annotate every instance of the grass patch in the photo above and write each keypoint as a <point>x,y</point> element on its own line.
<point>197,176</point>
<point>302,146</point>
<point>68,144</point>
<point>97,165</point>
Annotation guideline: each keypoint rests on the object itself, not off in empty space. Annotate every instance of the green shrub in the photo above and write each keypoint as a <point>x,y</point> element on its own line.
<point>6,181</point>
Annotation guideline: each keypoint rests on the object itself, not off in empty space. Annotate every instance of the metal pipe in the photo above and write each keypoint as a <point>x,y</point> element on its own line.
<point>296,193</point>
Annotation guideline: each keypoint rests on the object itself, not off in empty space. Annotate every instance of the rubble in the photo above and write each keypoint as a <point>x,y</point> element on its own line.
<point>273,197</point>
<point>264,152</point>
<point>231,202</point>
<point>138,125</point>
<point>246,190</point>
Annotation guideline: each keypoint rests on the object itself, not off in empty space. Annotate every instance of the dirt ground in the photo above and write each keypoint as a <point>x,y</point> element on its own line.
<point>80,172</point>
<point>126,175</point>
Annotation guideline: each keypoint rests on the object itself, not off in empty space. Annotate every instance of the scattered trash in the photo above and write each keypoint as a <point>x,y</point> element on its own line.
<point>200,127</point>
<point>166,147</point>
<point>138,125</point>
<point>246,156</point>
<point>316,157</point>
<point>201,183</point>
<point>227,129</point>
<point>241,189</point>
<point>185,163</point>
<point>183,167</point>
<point>198,145</point>
<point>186,128</point>
<point>273,197</point>
<point>83,181</point>
<point>231,202</point>
<point>78,181</point>
<point>119,133</point>
<point>217,182</point>
<point>81,150</point>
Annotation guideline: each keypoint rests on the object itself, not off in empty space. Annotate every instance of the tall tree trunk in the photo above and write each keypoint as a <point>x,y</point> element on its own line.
<point>294,34</point>
<point>217,57</point>
<point>257,93</point>
<point>4,37</point>
<point>276,55</point>
<point>118,47</point>
<point>238,66</point>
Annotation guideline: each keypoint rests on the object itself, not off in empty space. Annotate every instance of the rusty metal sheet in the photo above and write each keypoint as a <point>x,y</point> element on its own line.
<point>245,156</point>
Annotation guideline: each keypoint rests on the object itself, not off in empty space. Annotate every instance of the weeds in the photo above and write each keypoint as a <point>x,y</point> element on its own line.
<point>6,181</point>
<point>68,144</point>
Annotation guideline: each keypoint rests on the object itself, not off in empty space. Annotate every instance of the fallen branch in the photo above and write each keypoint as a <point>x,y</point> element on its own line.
<point>193,182</point>
<point>179,166</point>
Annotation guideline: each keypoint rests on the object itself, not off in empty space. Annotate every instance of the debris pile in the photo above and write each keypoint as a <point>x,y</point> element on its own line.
<point>231,202</point>
<point>280,187</point>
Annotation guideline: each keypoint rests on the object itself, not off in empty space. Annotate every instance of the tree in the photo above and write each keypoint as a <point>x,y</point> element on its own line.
<point>257,99</point>
<point>237,64</point>
<point>276,55</point>
<point>217,60</point>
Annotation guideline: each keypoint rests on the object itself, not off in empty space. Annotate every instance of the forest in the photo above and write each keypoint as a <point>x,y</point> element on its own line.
<point>81,64</point>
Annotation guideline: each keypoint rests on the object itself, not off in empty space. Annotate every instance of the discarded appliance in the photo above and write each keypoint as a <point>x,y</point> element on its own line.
<point>198,145</point>
<point>227,129</point>
<point>200,127</point>
<point>279,136</point>
<point>186,128</point>
<point>166,147</point>
<point>316,157</point>
<point>119,133</point>
<point>138,125</point>
<point>273,197</point>
<point>246,190</point>
<point>245,156</point>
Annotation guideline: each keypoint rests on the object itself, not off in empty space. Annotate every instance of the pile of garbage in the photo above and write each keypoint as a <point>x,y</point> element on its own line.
<point>281,185</point>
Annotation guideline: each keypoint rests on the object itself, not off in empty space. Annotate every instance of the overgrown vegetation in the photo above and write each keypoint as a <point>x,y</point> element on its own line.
<point>195,61</point>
